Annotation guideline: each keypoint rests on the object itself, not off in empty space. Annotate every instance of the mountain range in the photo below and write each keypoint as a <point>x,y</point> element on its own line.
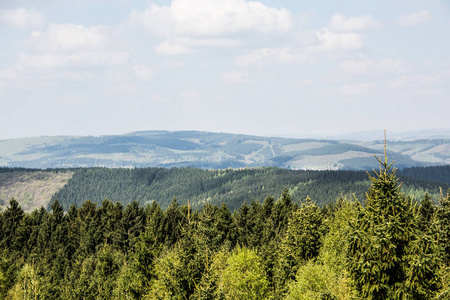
<point>208,150</point>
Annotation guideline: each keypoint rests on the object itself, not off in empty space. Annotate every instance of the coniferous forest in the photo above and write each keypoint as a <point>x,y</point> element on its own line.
<point>383,246</point>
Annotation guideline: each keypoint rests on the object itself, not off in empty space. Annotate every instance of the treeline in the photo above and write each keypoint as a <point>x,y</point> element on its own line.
<point>438,173</point>
<point>233,187</point>
<point>388,248</point>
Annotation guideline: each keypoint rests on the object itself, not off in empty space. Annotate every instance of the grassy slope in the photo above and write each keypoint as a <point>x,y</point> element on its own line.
<point>31,189</point>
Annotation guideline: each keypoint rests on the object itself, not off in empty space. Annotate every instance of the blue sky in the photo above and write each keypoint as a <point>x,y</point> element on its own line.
<point>293,68</point>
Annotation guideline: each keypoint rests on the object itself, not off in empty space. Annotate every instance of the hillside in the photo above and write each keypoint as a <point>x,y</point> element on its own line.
<point>31,188</point>
<point>432,151</point>
<point>208,150</point>
<point>35,188</point>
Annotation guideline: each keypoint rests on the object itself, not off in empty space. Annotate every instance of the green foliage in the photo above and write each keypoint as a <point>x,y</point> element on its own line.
<point>28,286</point>
<point>243,277</point>
<point>317,281</point>
<point>208,287</point>
<point>388,248</point>
<point>167,282</point>
<point>385,257</point>
<point>301,242</point>
<point>233,187</point>
<point>423,264</point>
<point>108,264</point>
<point>444,220</point>
<point>438,173</point>
<point>11,220</point>
<point>333,252</point>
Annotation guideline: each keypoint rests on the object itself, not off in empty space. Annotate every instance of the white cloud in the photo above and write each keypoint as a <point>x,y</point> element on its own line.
<point>142,72</point>
<point>326,42</point>
<point>212,17</point>
<point>160,99</point>
<point>415,81</point>
<point>191,99</point>
<point>73,60</point>
<point>265,56</point>
<point>8,74</point>
<point>184,45</point>
<point>341,23</point>
<point>299,83</point>
<point>355,89</point>
<point>68,37</point>
<point>375,67</point>
<point>124,88</point>
<point>71,99</point>
<point>21,18</point>
<point>70,46</point>
<point>2,86</point>
<point>336,41</point>
<point>168,47</point>
<point>315,45</point>
<point>234,77</point>
<point>414,19</point>
<point>189,94</point>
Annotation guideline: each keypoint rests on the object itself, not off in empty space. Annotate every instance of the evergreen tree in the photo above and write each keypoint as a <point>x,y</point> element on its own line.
<point>426,212</point>
<point>89,229</point>
<point>301,242</point>
<point>282,211</point>
<point>384,262</point>
<point>107,266</point>
<point>444,220</point>
<point>133,223</point>
<point>3,276</point>
<point>12,217</point>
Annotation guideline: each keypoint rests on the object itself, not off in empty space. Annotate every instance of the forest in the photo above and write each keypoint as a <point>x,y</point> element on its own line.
<point>385,245</point>
<point>231,186</point>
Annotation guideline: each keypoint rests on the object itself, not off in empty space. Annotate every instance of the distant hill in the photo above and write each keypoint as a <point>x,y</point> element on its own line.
<point>207,150</point>
<point>411,135</point>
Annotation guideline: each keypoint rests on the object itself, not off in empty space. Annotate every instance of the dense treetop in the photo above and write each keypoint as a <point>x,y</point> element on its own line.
<point>384,246</point>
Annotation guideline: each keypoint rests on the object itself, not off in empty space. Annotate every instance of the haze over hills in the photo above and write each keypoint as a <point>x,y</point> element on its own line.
<point>210,150</point>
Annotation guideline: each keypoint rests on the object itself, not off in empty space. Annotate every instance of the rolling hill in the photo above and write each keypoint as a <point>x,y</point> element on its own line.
<point>207,150</point>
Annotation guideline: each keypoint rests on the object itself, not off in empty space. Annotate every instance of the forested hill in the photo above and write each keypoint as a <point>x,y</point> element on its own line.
<point>208,150</point>
<point>233,187</point>
<point>34,188</point>
<point>439,173</point>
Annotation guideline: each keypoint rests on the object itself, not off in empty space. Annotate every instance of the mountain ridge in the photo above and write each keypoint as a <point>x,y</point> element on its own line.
<point>210,150</point>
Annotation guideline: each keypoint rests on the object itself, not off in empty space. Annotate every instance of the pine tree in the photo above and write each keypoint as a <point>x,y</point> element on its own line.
<point>388,256</point>
<point>444,220</point>
<point>301,243</point>
<point>11,221</point>
<point>379,238</point>
<point>426,212</point>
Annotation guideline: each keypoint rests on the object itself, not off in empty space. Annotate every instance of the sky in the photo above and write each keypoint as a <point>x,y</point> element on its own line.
<point>269,68</point>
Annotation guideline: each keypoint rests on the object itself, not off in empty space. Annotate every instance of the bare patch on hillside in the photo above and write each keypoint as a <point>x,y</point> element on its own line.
<point>31,189</point>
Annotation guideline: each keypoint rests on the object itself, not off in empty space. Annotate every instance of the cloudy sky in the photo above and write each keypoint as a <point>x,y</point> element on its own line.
<point>269,67</point>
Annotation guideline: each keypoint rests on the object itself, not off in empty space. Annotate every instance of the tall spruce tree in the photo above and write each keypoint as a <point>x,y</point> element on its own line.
<point>389,258</point>
<point>444,219</point>
<point>301,242</point>
<point>11,221</point>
